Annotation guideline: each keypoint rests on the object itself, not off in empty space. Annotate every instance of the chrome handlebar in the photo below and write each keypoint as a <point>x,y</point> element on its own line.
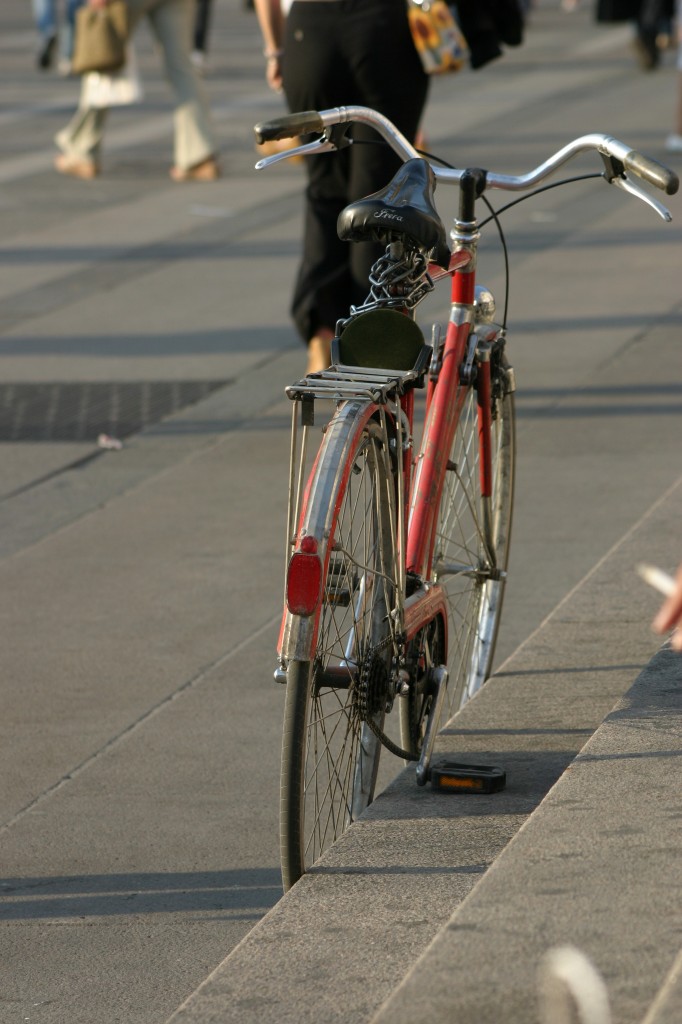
<point>618,158</point>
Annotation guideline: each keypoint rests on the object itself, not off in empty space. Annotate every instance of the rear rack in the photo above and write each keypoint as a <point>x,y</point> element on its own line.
<point>374,384</point>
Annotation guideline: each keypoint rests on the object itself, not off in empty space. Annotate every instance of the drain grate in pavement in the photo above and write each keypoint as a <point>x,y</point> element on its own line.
<point>81,411</point>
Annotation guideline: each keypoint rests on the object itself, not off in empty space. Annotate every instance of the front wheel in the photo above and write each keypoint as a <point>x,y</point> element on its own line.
<point>472,541</point>
<point>330,755</point>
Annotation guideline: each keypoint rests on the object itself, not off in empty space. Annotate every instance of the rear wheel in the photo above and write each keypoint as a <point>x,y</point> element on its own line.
<point>472,542</point>
<point>330,755</point>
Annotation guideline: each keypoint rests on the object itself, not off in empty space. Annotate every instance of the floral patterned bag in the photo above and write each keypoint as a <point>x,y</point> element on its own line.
<point>436,35</point>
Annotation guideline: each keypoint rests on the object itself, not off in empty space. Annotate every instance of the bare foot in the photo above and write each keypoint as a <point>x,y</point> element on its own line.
<point>319,350</point>
<point>207,170</point>
<point>77,166</point>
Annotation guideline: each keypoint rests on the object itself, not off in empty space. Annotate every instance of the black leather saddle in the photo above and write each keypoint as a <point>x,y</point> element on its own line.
<point>403,211</point>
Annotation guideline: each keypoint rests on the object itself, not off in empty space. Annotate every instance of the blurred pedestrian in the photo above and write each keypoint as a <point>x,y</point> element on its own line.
<point>649,19</point>
<point>202,21</point>
<point>171,22</point>
<point>674,141</point>
<point>330,53</point>
<point>651,15</point>
<point>670,614</point>
<point>55,41</point>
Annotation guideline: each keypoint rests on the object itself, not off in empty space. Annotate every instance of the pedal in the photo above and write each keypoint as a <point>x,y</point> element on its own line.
<point>453,777</point>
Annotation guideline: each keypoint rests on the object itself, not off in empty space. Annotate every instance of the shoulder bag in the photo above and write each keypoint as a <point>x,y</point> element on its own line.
<point>436,35</point>
<point>100,38</point>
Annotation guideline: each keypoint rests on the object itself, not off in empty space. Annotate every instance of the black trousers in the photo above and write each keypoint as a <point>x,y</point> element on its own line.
<point>201,25</point>
<point>342,53</point>
<point>651,15</point>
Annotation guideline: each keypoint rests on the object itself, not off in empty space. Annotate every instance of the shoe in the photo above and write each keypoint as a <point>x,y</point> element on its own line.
<point>45,58</point>
<point>207,170</point>
<point>77,166</point>
<point>647,52</point>
<point>199,59</point>
<point>64,67</point>
<point>674,143</point>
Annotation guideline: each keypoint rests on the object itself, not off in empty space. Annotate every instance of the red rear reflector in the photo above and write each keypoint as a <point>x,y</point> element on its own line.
<point>304,583</point>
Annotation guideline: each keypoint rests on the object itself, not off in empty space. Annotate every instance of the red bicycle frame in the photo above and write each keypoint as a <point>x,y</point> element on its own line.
<point>445,398</point>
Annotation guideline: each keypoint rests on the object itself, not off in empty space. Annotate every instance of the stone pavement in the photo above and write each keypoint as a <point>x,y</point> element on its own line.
<point>141,588</point>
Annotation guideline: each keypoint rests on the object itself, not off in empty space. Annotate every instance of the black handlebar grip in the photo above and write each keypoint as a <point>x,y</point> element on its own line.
<point>653,172</point>
<point>289,126</point>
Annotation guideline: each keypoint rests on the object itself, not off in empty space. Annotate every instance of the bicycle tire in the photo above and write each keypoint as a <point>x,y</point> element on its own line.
<point>330,756</point>
<point>475,602</point>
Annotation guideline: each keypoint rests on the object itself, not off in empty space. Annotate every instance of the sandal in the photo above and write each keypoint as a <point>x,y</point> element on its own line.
<point>207,170</point>
<point>77,166</point>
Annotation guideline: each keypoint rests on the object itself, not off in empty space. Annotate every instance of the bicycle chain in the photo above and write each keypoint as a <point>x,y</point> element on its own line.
<point>363,702</point>
<point>389,744</point>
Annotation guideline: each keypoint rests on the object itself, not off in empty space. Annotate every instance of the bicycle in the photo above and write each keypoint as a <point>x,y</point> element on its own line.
<point>396,562</point>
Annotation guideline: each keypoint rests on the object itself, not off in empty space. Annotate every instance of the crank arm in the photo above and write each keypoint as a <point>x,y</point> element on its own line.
<point>469,571</point>
<point>440,685</point>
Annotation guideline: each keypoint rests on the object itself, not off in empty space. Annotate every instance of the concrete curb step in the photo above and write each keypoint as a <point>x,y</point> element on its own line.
<point>596,866</point>
<point>465,875</point>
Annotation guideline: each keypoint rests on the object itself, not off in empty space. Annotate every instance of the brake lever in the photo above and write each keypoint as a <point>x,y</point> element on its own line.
<point>320,145</point>
<point>635,190</point>
<point>334,138</point>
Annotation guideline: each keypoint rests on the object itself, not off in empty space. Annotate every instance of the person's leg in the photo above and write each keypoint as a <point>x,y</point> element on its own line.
<point>45,17</point>
<point>316,78</point>
<point>646,37</point>
<point>66,40</point>
<point>195,145</point>
<point>390,78</point>
<point>678,119</point>
<point>80,143</point>
<point>201,25</point>
<point>357,52</point>
<point>674,141</point>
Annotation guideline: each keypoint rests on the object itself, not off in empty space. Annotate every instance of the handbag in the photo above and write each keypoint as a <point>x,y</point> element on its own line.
<point>100,38</point>
<point>113,89</point>
<point>436,35</point>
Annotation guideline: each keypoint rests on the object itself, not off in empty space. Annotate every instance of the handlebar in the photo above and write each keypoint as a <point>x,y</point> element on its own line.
<point>618,157</point>
<point>289,126</point>
<point>650,170</point>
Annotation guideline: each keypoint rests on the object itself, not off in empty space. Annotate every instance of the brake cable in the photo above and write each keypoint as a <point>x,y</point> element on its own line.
<point>495,214</point>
